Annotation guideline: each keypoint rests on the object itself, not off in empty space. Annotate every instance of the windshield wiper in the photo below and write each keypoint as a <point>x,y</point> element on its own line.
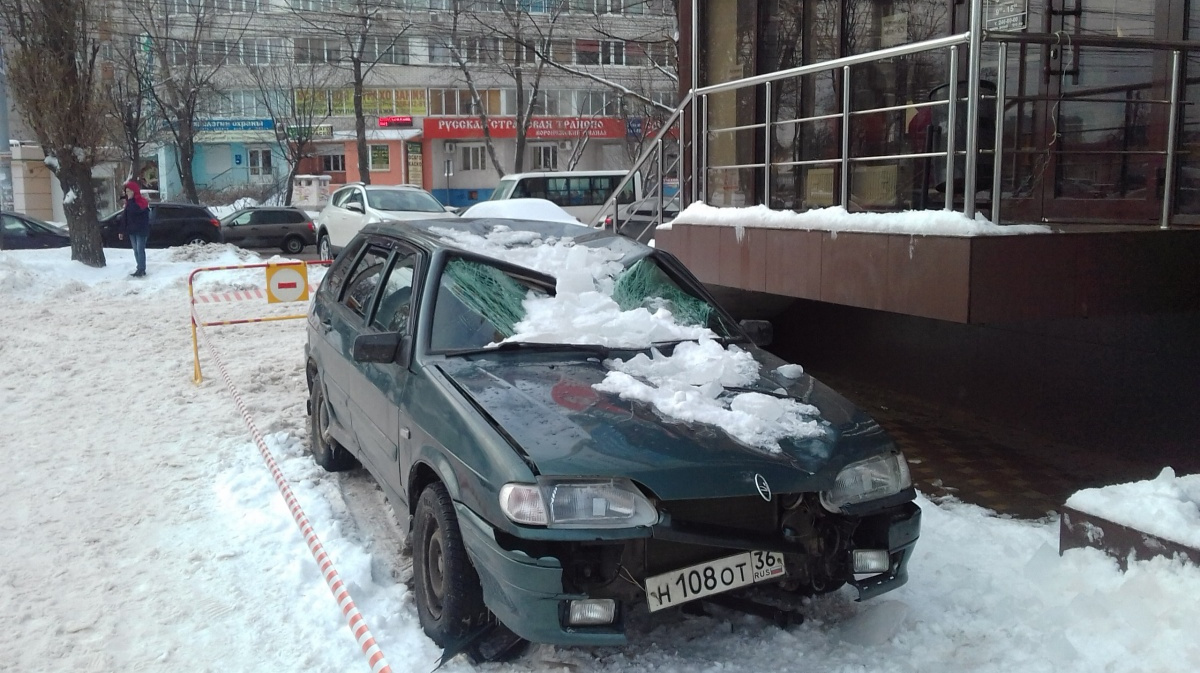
<point>509,346</point>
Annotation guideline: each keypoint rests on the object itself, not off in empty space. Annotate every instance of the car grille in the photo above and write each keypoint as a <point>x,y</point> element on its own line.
<point>747,515</point>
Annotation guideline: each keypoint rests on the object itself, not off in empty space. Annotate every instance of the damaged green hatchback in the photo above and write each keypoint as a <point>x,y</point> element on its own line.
<point>578,433</point>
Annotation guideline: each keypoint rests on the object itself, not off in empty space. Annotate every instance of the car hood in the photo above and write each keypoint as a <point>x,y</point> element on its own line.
<point>550,410</point>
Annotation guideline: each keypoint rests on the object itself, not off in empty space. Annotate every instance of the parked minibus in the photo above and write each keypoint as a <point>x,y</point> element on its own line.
<point>580,193</point>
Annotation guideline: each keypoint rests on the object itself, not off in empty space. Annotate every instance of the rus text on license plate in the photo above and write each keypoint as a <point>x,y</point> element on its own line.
<point>706,579</point>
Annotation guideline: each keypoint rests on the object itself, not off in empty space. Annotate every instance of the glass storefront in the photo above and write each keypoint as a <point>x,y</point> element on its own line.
<point>1085,131</point>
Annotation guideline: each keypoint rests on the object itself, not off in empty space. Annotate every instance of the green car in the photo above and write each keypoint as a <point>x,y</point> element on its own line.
<point>580,435</point>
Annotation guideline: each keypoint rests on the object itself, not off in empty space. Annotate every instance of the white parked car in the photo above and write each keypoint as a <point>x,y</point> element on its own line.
<point>356,205</point>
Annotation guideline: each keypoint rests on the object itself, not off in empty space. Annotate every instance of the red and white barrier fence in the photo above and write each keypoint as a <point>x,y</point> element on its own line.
<point>354,619</point>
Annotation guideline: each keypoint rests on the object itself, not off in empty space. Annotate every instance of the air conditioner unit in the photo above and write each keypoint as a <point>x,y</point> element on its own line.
<point>449,146</point>
<point>565,145</point>
<point>435,17</point>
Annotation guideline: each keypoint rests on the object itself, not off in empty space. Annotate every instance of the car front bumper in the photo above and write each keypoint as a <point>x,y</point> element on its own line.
<point>527,594</point>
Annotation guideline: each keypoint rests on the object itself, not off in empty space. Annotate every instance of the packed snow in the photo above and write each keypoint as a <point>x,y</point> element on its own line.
<point>837,219</point>
<point>1166,506</point>
<point>145,532</point>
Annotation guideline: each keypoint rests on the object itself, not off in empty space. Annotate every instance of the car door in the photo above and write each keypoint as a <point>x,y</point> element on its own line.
<point>346,320</point>
<point>339,223</point>
<point>238,229</point>
<point>328,346</point>
<point>379,388</point>
<point>266,229</point>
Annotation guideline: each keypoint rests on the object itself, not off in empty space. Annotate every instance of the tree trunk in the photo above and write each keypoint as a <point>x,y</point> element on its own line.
<point>185,154</point>
<point>522,123</point>
<point>80,206</point>
<point>360,126</point>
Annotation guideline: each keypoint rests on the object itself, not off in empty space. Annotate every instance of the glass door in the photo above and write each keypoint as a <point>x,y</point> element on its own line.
<point>1102,127</point>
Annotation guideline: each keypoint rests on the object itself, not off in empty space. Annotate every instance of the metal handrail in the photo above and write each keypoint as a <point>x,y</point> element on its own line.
<point>695,140</point>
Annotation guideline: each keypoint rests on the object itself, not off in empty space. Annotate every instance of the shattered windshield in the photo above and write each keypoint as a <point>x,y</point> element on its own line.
<point>480,305</point>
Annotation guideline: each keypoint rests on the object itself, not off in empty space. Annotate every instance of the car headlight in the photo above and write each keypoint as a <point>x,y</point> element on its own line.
<point>556,503</point>
<point>866,480</point>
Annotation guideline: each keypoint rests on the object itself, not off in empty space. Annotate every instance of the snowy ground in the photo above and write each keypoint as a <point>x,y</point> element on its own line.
<point>146,534</point>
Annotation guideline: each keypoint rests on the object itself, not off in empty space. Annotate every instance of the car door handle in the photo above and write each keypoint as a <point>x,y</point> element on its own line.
<point>326,324</point>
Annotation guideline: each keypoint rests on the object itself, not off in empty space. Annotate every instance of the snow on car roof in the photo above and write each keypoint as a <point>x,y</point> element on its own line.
<point>521,209</point>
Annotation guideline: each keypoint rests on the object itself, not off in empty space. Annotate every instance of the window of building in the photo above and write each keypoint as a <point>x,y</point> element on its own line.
<point>608,6</point>
<point>380,158</point>
<point>474,158</point>
<point>261,50</point>
<point>317,50</point>
<point>386,50</point>
<point>439,51</point>
<point>313,5</point>
<point>460,102</point>
<point>597,103</point>
<point>260,165</point>
<point>333,163</point>
<point>479,49</point>
<point>545,157</point>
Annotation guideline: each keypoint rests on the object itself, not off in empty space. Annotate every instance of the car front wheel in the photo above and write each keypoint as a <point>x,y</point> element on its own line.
<point>293,245</point>
<point>324,247</point>
<point>325,449</point>
<point>448,596</point>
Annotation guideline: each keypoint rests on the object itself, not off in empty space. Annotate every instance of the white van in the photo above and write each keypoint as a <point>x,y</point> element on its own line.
<point>580,193</point>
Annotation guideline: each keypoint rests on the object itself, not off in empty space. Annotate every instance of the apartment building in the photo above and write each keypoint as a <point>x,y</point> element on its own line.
<point>588,74</point>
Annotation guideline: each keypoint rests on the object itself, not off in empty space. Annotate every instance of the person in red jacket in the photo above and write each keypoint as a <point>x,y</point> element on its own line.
<point>136,225</point>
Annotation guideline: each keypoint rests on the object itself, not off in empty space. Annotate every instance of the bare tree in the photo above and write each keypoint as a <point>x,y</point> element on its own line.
<point>134,124</point>
<point>356,35</point>
<point>52,73</point>
<point>294,95</point>
<point>188,51</point>
<point>491,52</point>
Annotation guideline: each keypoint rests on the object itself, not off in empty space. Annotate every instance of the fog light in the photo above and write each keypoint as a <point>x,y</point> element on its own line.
<point>592,611</point>
<point>871,561</point>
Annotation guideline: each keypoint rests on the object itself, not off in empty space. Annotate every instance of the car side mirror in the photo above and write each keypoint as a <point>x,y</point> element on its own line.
<point>761,332</point>
<point>355,206</point>
<point>387,347</point>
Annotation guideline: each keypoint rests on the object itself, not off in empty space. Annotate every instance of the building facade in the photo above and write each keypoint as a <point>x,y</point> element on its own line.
<point>1085,119</point>
<point>586,73</point>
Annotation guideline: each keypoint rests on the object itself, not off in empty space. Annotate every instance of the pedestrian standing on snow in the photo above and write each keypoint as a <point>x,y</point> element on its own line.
<point>136,224</point>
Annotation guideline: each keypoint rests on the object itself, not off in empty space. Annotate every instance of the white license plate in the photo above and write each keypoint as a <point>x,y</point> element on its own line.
<point>706,579</point>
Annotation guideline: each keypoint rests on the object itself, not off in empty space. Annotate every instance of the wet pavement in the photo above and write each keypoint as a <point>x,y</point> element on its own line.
<point>953,454</point>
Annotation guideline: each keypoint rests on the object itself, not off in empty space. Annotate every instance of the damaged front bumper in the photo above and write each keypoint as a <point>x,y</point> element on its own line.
<point>528,589</point>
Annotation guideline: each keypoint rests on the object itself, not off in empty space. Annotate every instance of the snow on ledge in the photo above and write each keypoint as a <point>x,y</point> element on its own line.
<point>837,219</point>
<point>1167,507</point>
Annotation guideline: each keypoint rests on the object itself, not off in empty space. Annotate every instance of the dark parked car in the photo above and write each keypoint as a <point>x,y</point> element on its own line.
<point>22,232</point>
<point>290,229</point>
<point>545,506</point>
<point>171,224</point>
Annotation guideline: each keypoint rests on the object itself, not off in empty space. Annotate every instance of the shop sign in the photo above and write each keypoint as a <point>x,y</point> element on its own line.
<point>558,128</point>
<point>311,132</point>
<point>1005,15</point>
<point>235,125</point>
<point>396,120</point>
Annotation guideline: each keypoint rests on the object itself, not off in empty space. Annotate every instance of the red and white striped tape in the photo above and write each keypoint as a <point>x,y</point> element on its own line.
<point>358,625</point>
<point>234,295</point>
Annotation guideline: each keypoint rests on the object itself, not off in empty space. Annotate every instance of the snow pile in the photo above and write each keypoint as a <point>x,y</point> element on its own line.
<point>1167,507</point>
<point>838,219</point>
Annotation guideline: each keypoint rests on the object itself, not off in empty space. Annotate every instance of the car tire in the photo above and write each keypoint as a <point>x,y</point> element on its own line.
<point>448,596</point>
<point>324,247</point>
<point>293,245</point>
<point>196,239</point>
<point>326,450</point>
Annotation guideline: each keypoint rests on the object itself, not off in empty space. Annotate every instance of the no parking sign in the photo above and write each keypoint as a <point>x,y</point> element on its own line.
<point>287,282</point>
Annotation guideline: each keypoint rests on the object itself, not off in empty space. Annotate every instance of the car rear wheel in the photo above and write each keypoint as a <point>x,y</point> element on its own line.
<point>325,449</point>
<point>197,239</point>
<point>324,247</point>
<point>448,596</point>
<point>293,245</point>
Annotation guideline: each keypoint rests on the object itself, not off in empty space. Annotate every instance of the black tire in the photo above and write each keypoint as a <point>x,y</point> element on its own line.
<point>293,245</point>
<point>325,449</point>
<point>197,239</point>
<point>324,247</point>
<point>448,596</point>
